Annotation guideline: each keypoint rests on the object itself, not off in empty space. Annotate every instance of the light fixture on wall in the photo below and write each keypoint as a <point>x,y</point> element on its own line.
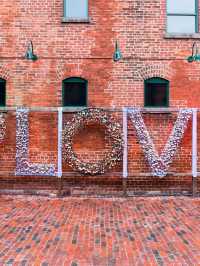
<point>29,52</point>
<point>117,54</point>
<point>195,55</point>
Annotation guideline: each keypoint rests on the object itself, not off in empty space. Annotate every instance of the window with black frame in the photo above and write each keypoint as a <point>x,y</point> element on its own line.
<point>75,92</point>
<point>2,92</point>
<point>156,92</point>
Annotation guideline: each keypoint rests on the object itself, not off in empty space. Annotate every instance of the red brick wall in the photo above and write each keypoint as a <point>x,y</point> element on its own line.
<point>86,50</point>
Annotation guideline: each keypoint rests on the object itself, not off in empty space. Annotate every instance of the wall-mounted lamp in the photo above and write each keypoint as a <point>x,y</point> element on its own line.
<point>117,54</point>
<point>195,55</point>
<point>29,52</point>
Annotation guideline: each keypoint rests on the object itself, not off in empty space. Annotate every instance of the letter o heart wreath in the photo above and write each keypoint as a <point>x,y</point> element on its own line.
<point>113,130</point>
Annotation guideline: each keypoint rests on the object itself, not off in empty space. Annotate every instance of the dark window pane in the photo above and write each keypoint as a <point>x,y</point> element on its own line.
<point>2,93</point>
<point>156,94</point>
<point>75,94</point>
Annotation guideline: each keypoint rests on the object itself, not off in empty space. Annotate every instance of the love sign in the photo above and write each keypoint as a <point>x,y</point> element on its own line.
<point>159,164</point>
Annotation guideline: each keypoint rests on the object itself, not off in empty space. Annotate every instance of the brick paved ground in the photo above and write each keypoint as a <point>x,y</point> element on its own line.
<point>75,231</point>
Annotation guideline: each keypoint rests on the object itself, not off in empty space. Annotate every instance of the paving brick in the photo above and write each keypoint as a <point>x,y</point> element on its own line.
<point>99,232</point>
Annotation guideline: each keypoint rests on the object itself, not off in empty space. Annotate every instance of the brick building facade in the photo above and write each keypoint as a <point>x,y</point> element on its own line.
<point>84,49</point>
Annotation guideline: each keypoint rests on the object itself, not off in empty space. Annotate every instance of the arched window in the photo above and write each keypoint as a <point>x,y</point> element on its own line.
<point>2,92</point>
<point>156,92</point>
<point>75,92</point>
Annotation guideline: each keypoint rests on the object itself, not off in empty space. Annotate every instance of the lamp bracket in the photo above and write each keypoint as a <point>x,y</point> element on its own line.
<point>29,52</point>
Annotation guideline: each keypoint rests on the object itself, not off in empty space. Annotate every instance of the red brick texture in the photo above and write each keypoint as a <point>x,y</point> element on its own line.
<point>93,232</point>
<point>86,50</point>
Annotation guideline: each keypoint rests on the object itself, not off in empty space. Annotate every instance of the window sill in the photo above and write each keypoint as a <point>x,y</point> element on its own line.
<point>72,109</point>
<point>159,110</point>
<point>182,36</point>
<point>75,20</point>
<point>3,109</point>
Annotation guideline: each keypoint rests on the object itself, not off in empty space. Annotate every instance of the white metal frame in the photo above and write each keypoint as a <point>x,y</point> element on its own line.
<point>60,110</point>
<point>60,128</point>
